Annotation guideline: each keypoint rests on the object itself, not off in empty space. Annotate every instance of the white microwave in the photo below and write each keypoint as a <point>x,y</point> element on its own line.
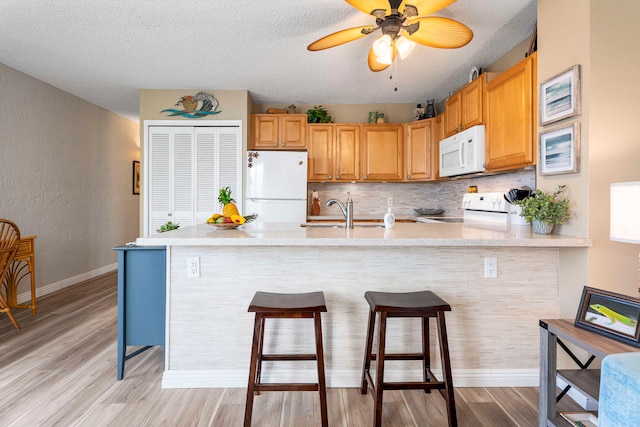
<point>463,152</point>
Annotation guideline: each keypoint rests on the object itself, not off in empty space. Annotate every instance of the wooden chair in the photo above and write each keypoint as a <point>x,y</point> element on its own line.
<point>9,242</point>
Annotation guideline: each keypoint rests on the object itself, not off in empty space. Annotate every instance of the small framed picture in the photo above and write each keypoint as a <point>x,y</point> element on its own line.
<point>611,314</point>
<point>560,96</point>
<point>136,177</point>
<point>559,150</point>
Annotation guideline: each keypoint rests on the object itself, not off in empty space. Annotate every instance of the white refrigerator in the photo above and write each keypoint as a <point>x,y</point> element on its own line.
<point>277,186</point>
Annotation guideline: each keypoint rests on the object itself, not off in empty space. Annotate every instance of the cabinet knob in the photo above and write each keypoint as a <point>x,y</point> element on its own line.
<point>329,176</point>
<point>408,176</point>
<point>461,127</point>
<point>337,177</point>
<point>284,144</point>
<point>365,177</point>
<point>275,144</point>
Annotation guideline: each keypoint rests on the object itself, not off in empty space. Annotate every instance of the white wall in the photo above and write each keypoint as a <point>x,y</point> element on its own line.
<point>65,176</point>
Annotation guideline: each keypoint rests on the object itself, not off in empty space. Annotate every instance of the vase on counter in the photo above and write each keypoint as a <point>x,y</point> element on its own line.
<point>541,227</point>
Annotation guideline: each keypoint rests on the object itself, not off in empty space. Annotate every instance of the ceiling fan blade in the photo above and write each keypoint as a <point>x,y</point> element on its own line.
<point>443,33</point>
<point>368,6</point>
<point>341,37</point>
<point>425,7</point>
<point>376,66</point>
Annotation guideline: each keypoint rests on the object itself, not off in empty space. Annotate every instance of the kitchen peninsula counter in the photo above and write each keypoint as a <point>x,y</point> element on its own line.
<point>403,234</point>
<point>492,329</point>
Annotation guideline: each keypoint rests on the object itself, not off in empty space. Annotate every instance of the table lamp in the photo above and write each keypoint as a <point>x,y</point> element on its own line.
<point>625,214</point>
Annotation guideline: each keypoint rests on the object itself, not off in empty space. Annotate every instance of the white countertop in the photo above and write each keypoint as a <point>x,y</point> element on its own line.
<point>402,235</point>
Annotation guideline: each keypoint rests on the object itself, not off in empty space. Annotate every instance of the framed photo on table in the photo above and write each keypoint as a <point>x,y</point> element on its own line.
<point>611,314</point>
<point>559,150</point>
<point>560,96</point>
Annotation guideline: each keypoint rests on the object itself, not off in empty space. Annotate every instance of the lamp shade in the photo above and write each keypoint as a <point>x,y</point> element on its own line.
<point>625,212</point>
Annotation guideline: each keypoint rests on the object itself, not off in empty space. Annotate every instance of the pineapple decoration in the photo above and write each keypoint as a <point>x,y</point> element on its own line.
<point>230,213</point>
<point>229,207</point>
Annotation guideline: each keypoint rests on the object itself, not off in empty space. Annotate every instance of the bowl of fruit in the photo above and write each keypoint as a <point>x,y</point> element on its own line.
<point>230,217</point>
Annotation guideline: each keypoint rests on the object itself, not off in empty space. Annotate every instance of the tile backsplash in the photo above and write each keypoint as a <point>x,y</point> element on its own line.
<point>370,199</point>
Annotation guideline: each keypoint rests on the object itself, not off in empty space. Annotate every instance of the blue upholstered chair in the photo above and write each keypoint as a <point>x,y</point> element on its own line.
<point>619,402</point>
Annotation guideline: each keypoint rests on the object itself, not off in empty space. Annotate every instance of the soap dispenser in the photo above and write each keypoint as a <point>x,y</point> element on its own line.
<point>389,218</point>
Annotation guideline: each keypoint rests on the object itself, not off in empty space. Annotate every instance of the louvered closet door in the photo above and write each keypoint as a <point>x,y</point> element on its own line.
<point>159,184</point>
<point>187,167</point>
<point>171,187</point>
<point>218,154</point>
<point>183,176</point>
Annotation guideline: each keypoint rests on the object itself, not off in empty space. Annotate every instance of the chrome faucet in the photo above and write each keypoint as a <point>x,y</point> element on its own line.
<point>346,211</point>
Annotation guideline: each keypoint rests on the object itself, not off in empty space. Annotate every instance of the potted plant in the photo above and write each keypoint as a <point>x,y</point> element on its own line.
<point>543,210</point>
<point>317,114</point>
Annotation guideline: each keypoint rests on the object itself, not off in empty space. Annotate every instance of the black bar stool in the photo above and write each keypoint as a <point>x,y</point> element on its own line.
<point>289,306</point>
<point>423,304</point>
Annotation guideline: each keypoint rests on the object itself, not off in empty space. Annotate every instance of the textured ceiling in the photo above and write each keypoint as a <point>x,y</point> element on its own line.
<point>105,51</point>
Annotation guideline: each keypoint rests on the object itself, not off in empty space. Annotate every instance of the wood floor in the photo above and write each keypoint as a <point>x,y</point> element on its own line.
<point>60,369</point>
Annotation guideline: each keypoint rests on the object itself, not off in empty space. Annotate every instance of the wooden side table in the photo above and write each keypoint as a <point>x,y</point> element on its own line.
<point>587,381</point>
<point>23,265</point>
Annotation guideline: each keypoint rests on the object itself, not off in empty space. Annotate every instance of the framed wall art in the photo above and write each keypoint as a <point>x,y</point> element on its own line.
<point>611,314</point>
<point>560,96</point>
<point>559,150</point>
<point>136,177</point>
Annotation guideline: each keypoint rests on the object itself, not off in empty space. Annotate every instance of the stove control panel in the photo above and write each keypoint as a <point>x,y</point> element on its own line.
<point>488,202</point>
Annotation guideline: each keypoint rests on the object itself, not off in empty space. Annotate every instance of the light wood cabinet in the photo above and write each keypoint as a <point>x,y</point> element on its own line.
<point>419,148</point>
<point>382,152</point>
<point>439,136</point>
<point>510,110</point>
<point>334,152</point>
<point>464,108</point>
<point>278,131</point>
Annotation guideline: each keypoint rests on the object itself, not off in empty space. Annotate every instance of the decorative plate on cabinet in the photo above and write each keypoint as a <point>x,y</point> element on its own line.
<point>473,74</point>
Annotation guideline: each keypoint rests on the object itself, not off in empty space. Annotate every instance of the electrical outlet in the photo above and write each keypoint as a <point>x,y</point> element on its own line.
<point>193,267</point>
<point>490,268</point>
<point>390,201</point>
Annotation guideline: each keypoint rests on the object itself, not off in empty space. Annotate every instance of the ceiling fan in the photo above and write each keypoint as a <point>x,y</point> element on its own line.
<point>402,23</point>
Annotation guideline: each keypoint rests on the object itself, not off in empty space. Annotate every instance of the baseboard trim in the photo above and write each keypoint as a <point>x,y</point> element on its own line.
<point>25,297</point>
<point>238,378</point>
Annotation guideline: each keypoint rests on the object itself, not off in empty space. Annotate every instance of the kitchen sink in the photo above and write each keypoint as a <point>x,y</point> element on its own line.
<point>341,225</point>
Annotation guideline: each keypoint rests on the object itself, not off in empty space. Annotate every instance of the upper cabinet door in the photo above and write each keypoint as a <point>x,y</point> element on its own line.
<point>346,157</point>
<point>419,149</point>
<point>265,129</point>
<point>471,106</point>
<point>382,153</point>
<point>278,132</point>
<point>510,112</point>
<point>293,131</point>
<point>320,149</point>
<point>464,108</point>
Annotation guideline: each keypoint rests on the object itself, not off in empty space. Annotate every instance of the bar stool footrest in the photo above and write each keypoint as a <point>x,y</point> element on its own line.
<point>286,387</point>
<point>287,357</point>
<point>418,385</point>
<point>400,356</point>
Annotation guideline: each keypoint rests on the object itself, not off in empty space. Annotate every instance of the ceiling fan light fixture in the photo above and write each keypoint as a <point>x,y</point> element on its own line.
<point>383,46</point>
<point>404,46</point>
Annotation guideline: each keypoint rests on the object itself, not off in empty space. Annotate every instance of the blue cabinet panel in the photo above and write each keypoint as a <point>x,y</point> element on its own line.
<point>141,299</point>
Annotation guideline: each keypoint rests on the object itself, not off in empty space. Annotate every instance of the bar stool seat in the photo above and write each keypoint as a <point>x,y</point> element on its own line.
<point>423,304</point>
<point>291,306</point>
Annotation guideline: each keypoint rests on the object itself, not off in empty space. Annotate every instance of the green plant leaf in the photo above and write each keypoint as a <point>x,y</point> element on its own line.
<point>545,207</point>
